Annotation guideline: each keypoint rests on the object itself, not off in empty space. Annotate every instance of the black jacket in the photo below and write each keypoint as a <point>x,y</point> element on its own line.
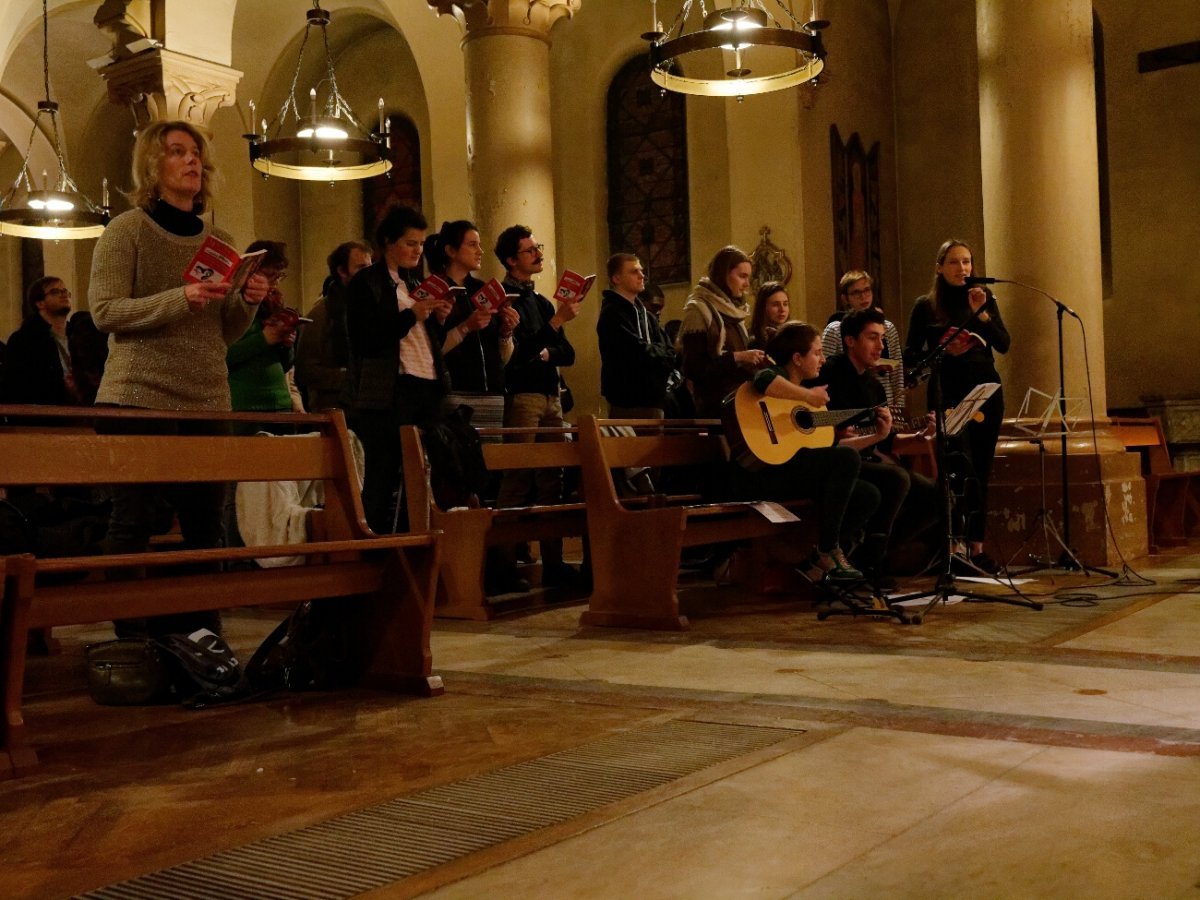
<point>526,372</point>
<point>475,365</point>
<point>33,369</point>
<point>636,357</point>
<point>374,327</point>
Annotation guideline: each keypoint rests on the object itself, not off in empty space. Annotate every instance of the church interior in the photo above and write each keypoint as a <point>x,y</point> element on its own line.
<point>990,750</point>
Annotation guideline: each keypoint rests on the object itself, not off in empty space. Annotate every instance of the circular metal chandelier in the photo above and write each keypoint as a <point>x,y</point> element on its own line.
<point>738,29</point>
<point>57,210</point>
<point>329,143</point>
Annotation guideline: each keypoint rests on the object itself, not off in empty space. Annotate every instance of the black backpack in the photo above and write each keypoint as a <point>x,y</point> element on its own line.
<point>458,474</point>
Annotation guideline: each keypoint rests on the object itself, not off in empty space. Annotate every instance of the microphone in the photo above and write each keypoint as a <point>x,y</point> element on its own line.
<point>978,279</point>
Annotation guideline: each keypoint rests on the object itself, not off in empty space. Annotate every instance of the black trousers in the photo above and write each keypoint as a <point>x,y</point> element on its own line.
<point>415,401</point>
<point>141,510</point>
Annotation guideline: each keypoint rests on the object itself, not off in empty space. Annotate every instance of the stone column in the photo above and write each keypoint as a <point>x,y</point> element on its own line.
<point>1041,206</point>
<point>1041,215</point>
<point>507,50</point>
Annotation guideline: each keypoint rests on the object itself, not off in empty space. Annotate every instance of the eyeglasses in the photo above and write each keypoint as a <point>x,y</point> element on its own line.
<point>859,292</point>
<point>59,292</point>
<point>273,277</point>
<point>536,248</point>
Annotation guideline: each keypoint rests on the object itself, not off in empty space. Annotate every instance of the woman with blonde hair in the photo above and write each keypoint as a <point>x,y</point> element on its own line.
<point>168,338</point>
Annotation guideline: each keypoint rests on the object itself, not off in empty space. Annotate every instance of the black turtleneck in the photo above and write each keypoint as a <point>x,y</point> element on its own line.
<point>928,325</point>
<point>175,220</point>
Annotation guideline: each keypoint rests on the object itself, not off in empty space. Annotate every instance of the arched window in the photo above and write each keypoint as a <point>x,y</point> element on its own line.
<point>647,174</point>
<point>402,185</point>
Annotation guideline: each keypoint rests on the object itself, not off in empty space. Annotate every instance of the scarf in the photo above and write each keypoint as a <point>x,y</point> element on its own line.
<point>706,310</point>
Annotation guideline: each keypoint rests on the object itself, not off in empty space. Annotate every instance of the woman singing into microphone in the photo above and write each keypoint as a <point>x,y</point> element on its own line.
<point>968,362</point>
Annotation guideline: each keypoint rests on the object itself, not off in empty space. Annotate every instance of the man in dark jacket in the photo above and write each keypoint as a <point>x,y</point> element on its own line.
<point>636,359</point>
<point>531,384</point>
<point>37,365</point>
<point>396,375</point>
<point>323,351</point>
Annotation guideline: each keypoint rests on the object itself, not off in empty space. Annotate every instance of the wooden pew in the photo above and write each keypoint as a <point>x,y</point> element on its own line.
<point>390,579</point>
<point>636,549</point>
<point>468,533</point>
<point>1172,498</point>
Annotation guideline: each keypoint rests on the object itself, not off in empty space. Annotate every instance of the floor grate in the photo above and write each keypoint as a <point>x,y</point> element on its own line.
<point>382,844</point>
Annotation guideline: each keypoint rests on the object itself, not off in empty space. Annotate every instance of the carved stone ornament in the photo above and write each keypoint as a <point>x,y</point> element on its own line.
<point>125,21</point>
<point>770,262</point>
<point>534,18</point>
<point>160,84</point>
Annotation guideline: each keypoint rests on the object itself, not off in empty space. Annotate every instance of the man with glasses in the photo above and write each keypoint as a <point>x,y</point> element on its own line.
<point>37,365</point>
<point>856,291</point>
<point>532,388</point>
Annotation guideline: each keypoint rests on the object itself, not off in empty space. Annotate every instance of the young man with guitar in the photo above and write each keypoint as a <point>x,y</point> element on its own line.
<point>851,380</point>
<point>783,450</point>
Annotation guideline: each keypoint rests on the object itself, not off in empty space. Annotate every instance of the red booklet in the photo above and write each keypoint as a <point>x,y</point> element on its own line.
<point>573,287</point>
<point>491,296</point>
<point>216,261</point>
<point>432,288</point>
<point>288,317</point>
<point>963,341</point>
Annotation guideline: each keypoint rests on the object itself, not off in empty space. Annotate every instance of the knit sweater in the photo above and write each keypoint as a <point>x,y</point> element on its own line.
<point>162,354</point>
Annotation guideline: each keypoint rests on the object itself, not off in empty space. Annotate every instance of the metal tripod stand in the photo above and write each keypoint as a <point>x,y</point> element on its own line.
<point>946,585</point>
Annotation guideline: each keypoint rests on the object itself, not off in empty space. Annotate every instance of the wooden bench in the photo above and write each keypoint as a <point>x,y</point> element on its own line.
<point>636,549</point>
<point>391,578</point>
<point>468,533</point>
<point>1172,498</point>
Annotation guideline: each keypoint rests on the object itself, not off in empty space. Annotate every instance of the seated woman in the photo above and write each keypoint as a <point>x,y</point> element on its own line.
<point>828,475</point>
<point>771,309</point>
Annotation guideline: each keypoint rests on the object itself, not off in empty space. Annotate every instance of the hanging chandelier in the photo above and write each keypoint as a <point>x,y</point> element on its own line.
<point>53,209</point>
<point>329,143</point>
<point>734,33</point>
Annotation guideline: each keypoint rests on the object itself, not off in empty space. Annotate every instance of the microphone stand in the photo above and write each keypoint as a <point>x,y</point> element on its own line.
<point>1067,560</point>
<point>946,585</point>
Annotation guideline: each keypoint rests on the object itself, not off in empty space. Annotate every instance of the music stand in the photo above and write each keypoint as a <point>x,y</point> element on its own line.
<point>946,585</point>
<point>1044,429</point>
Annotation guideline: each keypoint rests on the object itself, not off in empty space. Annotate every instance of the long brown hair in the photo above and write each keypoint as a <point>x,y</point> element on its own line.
<point>726,260</point>
<point>935,292</point>
<point>758,318</point>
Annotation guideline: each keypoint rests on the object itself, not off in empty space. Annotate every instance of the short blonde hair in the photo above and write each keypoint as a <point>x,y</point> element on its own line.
<point>148,154</point>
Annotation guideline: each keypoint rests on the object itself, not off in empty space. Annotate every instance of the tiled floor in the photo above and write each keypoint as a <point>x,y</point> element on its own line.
<point>992,751</point>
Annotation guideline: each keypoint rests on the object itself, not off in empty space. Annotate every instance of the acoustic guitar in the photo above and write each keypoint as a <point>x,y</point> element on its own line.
<point>767,431</point>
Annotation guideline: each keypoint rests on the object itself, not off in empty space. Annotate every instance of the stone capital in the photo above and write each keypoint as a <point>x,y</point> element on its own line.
<point>532,18</point>
<point>159,84</point>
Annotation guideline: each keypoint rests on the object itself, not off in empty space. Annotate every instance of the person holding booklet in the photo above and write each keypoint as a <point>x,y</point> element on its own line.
<point>532,387</point>
<point>260,359</point>
<point>396,374</point>
<point>168,338</point>
<point>636,359</point>
<point>478,341</point>
<point>967,362</point>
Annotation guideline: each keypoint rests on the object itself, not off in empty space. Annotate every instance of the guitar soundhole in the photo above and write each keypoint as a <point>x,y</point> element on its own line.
<point>803,419</point>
